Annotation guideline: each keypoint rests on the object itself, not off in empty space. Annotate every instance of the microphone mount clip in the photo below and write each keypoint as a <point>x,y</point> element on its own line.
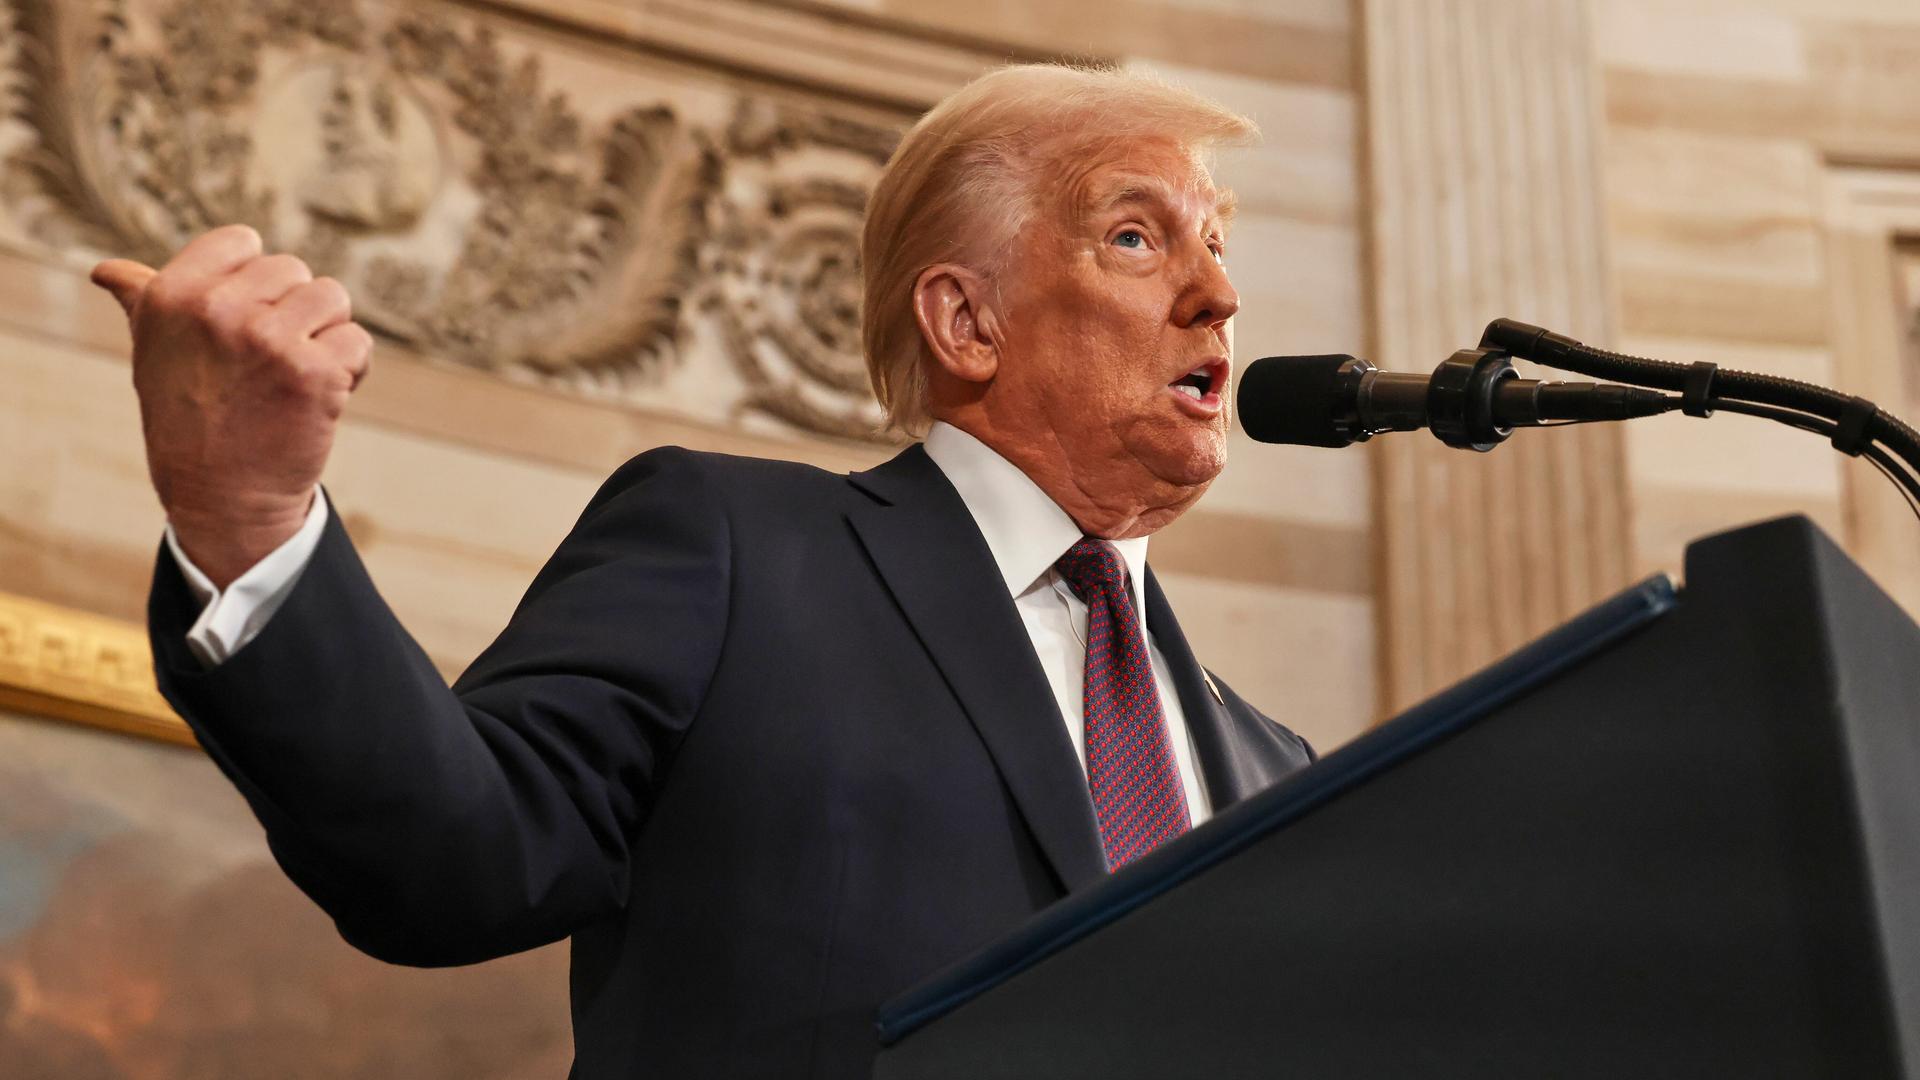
<point>1460,397</point>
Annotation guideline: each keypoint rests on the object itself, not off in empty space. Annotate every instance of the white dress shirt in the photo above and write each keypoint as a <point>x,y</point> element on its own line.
<point>1025,530</point>
<point>235,616</point>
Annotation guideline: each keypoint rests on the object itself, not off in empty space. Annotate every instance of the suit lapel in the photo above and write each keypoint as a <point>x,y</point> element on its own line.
<point>934,561</point>
<point>1229,778</point>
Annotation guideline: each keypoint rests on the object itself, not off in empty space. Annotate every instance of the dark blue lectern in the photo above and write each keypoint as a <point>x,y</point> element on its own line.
<point>1679,836</point>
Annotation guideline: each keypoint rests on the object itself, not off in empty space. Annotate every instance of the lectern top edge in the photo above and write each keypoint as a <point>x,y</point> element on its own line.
<point>1238,827</point>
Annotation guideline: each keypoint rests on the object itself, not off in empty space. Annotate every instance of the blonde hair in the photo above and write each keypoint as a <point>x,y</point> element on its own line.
<point>965,180</point>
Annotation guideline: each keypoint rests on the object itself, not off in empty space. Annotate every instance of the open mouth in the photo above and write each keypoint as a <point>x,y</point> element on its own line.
<point>1203,382</point>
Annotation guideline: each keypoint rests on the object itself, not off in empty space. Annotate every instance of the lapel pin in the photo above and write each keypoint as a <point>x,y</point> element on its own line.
<point>1214,689</point>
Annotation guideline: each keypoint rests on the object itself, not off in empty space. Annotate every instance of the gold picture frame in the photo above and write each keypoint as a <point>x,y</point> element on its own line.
<point>73,665</point>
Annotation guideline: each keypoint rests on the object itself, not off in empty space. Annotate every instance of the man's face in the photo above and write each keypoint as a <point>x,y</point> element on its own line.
<point>1117,344</point>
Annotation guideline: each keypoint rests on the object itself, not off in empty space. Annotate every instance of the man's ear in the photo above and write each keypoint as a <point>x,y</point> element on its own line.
<point>952,305</point>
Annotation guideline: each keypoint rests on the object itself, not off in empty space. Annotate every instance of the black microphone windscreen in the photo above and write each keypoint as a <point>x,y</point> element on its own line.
<point>1293,399</point>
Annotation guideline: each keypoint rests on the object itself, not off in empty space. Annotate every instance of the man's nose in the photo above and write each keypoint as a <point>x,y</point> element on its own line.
<point>1209,299</point>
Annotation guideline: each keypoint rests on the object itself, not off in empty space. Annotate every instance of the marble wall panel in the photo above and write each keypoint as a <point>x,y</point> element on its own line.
<point>1747,42</point>
<point>1737,240</point>
<point>78,518</point>
<point>1309,485</point>
<point>1289,41</point>
<point>1692,175</point>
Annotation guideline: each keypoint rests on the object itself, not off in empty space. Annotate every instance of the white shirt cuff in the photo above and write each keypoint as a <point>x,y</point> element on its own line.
<point>232,618</point>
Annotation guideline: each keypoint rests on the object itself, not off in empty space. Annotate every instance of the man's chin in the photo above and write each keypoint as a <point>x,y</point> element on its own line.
<point>1191,459</point>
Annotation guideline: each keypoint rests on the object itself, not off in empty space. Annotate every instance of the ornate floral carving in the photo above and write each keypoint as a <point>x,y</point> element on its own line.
<point>352,148</point>
<point>474,211</point>
<point>550,274</point>
<point>784,266</point>
<point>55,182</point>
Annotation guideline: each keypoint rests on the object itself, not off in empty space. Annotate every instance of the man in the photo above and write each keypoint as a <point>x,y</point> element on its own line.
<point>769,744</point>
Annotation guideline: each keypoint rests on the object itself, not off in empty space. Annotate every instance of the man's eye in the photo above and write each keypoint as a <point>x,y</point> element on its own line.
<point>1131,238</point>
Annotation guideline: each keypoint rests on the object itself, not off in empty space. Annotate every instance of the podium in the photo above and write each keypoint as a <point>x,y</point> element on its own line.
<point>1677,837</point>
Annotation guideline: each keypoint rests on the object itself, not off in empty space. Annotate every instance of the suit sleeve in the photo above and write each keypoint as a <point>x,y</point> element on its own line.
<point>231,617</point>
<point>446,825</point>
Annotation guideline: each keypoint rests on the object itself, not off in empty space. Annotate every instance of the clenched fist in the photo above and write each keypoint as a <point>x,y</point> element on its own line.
<point>243,363</point>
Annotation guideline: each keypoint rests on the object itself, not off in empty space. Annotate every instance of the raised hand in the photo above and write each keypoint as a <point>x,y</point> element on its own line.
<point>243,363</point>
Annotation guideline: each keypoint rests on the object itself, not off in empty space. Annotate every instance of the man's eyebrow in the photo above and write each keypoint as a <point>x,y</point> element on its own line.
<point>1225,205</point>
<point>1125,190</point>
<point>1140,190</point>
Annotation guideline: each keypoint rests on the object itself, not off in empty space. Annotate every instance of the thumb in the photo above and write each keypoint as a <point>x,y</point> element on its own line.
<point>125,279</point>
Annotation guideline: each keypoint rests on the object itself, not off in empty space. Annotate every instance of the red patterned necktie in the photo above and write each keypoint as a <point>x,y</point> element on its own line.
<point>1137,797</point>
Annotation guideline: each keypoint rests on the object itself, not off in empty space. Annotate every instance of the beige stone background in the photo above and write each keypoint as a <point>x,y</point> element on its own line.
<point>586,227</point>
<point>460,466</point>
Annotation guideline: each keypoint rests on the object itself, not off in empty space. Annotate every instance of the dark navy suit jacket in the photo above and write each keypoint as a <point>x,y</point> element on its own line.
<point>769,743</point>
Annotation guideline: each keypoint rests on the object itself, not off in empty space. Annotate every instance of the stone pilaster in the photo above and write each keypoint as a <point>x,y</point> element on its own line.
<point>1484,179</point>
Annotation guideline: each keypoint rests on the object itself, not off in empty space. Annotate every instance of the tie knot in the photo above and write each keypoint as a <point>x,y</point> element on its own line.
<point>1092,569</point>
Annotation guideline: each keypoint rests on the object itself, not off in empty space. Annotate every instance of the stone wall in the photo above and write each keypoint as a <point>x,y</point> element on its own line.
<point>1762,175</point>
<point>1734,182</point>
<point>584,229</point>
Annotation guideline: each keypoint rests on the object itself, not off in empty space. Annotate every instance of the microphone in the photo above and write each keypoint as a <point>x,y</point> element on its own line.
<point>1472,401</point>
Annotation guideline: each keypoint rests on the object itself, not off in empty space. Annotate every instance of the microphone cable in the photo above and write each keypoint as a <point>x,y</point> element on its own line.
<point>1889,466</point>
<point>1852,424</point>
<point>1893,469</point>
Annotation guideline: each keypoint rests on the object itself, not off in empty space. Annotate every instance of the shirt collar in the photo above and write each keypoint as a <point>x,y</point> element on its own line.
<point>1024,528</point>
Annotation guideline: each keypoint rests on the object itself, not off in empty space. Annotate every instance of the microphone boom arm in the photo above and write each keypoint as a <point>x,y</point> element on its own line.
<point>1852,424</point>
<point>1474,399</point>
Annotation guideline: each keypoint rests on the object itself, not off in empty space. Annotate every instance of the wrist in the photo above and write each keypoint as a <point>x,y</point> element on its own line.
<point>226,543</point>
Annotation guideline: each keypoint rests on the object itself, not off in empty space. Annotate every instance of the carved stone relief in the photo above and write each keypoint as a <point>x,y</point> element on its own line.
<point>489,197</point>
